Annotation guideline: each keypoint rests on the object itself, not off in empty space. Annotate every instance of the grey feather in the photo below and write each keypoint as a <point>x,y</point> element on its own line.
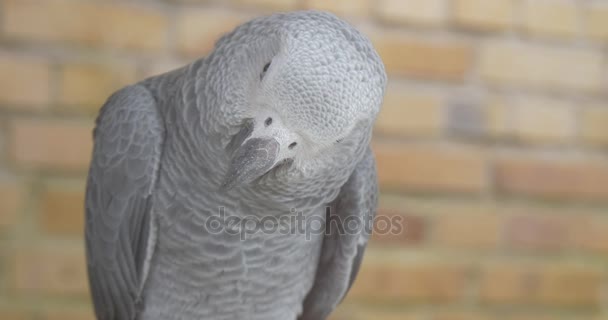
<point>122,176</point>
<point>343,247</point>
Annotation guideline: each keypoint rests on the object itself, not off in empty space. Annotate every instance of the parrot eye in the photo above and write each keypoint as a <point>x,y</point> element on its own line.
<point>264,70</point>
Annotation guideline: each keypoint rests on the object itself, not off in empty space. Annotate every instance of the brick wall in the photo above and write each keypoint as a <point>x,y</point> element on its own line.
<point>491,146</point>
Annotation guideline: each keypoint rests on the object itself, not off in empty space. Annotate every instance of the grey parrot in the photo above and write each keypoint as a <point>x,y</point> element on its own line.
<point>193,169</point>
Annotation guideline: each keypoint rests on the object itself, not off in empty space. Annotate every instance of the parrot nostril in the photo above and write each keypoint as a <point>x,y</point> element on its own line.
<point>268,121</point>
<point>292,145</point>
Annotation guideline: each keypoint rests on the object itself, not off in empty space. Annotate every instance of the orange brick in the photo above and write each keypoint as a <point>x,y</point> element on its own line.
<point>358,8</point>
<point>594,125</point>
<point>596,17</point>
<point>429,169</point>
<point>51,270</point>
<point>460,315</point>
<point>483,14</point>
<point>462,227</point>
<point>24,82</point>
<point>394,227</point>
<point>532,316</point>
<point>559,285</point>
<point>557,18</point>
<point>53,144</point>
<point>87,86</point>
<point>108,25</point>
<point>62,209</point>
<point>540,230</point>
<point>270,4</point>
<point>345,312</point>
<point>12,201</point>
<point>409,112</point>
<point>401,282</point>
<point>15,315</point>
<point>446,60</point>
<point>198,30</point>
<point>341,313</point>
<point>556,179</point>
<point>3,142</point>
<point>415,12</point>
<point>592,233</point>
<point>68,314</point>
<point>502,63</point>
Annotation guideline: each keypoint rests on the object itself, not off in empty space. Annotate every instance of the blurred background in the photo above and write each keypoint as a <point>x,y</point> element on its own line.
<point>492,145</point>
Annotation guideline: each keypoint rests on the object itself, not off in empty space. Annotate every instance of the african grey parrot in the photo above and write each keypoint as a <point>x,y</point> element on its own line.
<point>275,123</point>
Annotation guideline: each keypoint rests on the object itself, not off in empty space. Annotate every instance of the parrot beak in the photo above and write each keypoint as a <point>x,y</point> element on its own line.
<point>250,161</point>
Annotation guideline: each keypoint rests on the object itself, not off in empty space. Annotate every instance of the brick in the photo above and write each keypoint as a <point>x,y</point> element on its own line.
<point>592,234</point>
<point>435,207</point>
<point>484,15</point>
<point>540,231</point>
<point>414,12</point>
<point>51,270</point>
<point>557,285</point>
<point>394,227</point>
<point>24,82</point>
<point>12,201</point>
<point>468,228</point>
<point>400,281</point>
<point>502,63</point>
<point>160,67</point>
<point>103,25</point>
<point>408,112</point>
<point>343,312</point>
<point>270,4</point>
<point>87,86</point>
<point>429,169</point>
<point>3,142</point>
<point>51,144</point>
<point>583,180</point>
<point>594,125</point>
<point>530,120</point>
<point>596,17</point>
<point>459,315</point>
<point>62,209</point>
<point>403,56</point>
<point>531,316</point>
<point>554,18</point>
<point>544,120</point>
<point>68,314</point>
<point>14,315</point>
<point>198,30</point>
<point>356,8</point>
<point>465,118</point>
<point>498,116</point>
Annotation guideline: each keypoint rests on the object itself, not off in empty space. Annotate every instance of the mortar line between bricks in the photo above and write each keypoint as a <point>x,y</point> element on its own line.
<point>534,151</point>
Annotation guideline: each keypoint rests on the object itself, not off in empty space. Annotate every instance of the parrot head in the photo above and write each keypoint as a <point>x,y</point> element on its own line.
<point>309,84</point>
